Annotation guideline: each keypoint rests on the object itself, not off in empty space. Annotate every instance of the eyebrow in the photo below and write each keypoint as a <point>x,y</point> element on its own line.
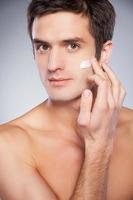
<point>69,40</point>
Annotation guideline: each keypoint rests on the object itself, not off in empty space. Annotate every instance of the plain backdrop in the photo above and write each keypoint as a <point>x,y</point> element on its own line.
<point>20,85</point>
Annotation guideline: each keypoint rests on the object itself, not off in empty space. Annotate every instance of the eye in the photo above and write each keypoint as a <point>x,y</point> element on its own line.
<point>73,47</point>
<point>42,48</point>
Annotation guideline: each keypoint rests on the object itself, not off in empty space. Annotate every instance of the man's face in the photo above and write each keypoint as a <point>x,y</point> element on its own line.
<point>61,42</point>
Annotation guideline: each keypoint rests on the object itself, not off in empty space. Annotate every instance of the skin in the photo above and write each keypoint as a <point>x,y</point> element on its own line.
<point>77,144</point>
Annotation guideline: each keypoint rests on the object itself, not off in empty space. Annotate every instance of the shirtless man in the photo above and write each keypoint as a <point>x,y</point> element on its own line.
<point>78,144</point>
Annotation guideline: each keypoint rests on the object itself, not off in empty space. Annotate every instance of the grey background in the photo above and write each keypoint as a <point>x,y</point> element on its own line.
<point>20,85</point>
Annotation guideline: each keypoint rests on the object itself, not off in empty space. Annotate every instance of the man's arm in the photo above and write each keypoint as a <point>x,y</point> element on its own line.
<point>19,180</point>
<point>97,125</point>
<point>92,182</point>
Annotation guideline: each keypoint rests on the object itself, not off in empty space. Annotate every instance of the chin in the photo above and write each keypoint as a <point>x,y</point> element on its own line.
<point>64,97</point>
<point>65,94</point>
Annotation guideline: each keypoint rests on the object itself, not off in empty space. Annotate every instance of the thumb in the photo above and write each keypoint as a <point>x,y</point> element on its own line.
<point>85,108</point>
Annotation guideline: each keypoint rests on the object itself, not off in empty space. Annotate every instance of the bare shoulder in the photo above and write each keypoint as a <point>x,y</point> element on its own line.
<point>16,132</point>
<point>125,134</point>
<point>120,182</point>
<point>126,121</point>
<point>18,171</point>
<point>15,135</point>
<point>16,161</point>
<point>16,141</point>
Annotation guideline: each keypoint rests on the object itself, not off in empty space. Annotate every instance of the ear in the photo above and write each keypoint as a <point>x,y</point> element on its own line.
<point>106,52</point>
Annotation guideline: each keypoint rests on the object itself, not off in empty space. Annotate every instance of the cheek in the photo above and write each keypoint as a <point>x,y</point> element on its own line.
<point>84,73</point>
<point>39,62</point>
<point>82,77</point>
<point>42,68</point>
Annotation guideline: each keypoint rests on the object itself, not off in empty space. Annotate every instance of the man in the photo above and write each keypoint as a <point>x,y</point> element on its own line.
<point>78,144</point>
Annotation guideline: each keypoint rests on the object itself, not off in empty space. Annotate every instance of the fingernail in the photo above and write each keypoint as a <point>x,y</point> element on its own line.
<point>86,93</point>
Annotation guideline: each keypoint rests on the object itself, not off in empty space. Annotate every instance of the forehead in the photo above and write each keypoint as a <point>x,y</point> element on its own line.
<point>61,25</point>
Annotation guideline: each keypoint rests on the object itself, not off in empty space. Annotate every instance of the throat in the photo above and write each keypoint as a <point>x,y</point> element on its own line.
<point>66,113</point>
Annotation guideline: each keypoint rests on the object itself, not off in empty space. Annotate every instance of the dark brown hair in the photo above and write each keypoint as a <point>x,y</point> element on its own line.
<point>100,13</point>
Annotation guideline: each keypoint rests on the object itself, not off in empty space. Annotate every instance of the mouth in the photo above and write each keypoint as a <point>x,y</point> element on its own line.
<point>58,82</point>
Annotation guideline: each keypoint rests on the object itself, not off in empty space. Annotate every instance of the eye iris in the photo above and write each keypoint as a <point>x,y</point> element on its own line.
<point>73,46</point>
<point>44,47</point>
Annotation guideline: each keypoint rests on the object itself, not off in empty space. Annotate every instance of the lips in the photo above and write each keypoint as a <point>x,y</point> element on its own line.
<point>58,81</point>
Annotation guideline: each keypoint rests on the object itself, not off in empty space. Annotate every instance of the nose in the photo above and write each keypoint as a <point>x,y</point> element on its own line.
<point>54,60</point>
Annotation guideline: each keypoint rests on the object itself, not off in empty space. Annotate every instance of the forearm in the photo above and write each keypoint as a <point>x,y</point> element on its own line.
<point>92,181</point>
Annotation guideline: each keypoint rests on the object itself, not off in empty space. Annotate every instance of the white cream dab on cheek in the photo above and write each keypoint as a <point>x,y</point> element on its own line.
<point>85,64</point>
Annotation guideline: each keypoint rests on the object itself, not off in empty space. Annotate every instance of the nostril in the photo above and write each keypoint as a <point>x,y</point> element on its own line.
<point>54,66</point>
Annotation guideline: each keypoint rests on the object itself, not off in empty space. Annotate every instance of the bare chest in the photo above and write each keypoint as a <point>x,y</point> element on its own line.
<point>59,163</point>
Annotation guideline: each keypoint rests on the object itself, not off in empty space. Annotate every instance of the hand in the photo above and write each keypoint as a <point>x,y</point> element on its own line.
<point>98,117</point>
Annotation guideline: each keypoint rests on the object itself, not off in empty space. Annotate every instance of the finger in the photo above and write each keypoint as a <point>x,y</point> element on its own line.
<point>111,101</point>
<point>102,103</point>
<point>104,94</point>
<point>102,91</point>
<point>99,71</point>
<point>111,74</point>
<point>115,83</point>
<point>85,108</point>
<point>97,68</point>
<point>122,96</point>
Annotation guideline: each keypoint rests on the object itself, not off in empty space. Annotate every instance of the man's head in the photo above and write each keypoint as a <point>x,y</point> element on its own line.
<point>100,13</point>
<point>63,34</point>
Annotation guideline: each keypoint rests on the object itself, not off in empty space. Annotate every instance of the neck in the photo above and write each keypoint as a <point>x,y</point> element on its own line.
<point>66,112</point>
